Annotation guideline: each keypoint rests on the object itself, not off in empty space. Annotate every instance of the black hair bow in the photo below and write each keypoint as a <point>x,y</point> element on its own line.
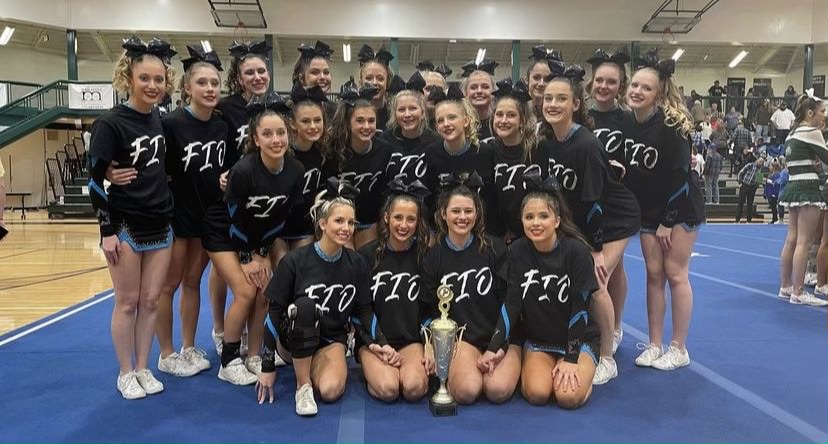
<point>574,73</point>
<point>299,94</point>
<point>665,68</point>
<point>350,95</point>
<point>350,84</point>
<point>438,95</point>
<point>453,180</point>
<point>134,47</point>
<point>425,65</point>
<point>444,70</point>
<point>519,91</point>
<point>415,83</point>
<point>240,49</point>
<point>532,181</point>
<point>366,54</point>
<point>198,54</point>
<point>415,189</point>
<point>487,65</point>
<point>600,57</point>
<point>272,101</point>
<point>336,187</point>
<point>396,84</point>
<point>540,54</point>
<point>321,49</point>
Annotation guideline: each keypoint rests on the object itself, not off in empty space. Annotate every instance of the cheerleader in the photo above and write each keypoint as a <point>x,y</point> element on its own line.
<point>459,150</point>
<point>261,190</point>
<point>362,158</point>
<point>247,77</point>
<point>803,197</point>
<point>317,289</point>
<point>469,261</point>
<point>394,259</point>
<point>309,128</point>
<point>606,88</point>
<point>313,69</point>
<point>135,219</point>
<point>548,294</point>
<point>514,149</point>
<point>537,74</point>
<point>478,84</point>
<point>196,151</point>
<point>374,70</point>
<point>408,134</point>
<point>672,207</point>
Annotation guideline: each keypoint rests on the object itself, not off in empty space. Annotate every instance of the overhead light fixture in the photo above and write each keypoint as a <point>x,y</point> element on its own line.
<point>706,56</point>
<point>481,54</point>
<point>346,52</point>
<point>452,40</point>
<point>736,60</point>
<point>6,35</point>
<point>205,45</point>
<point>676,55</point>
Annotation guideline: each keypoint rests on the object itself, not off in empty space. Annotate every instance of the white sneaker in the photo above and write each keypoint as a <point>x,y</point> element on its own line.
<point>218,341</point>
<point>605,371</point>
<point>253,364</point>
<point>148,382</point>
<point>807,299</point>
<point>176,365</point>
<point>784,292</point>
<point>821,291</point>
<point>305,404</point>
<point>197,357</point>
<point>651,353</point>
<point>617,336</point>
<point>129,387</point>
<point>243,347</point>
<point>672,359</point>
<point>810,278</point>
<point>236,373</point>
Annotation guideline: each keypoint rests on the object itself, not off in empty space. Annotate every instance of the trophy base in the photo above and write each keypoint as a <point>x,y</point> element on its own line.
<point>443,409</point>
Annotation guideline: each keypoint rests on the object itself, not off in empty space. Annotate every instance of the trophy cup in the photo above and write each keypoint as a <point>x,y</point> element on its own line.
<point>443,332</point>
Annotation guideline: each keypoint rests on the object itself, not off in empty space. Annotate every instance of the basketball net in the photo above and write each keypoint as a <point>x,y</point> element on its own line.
<point>240,33</point>
<point>668,36</point>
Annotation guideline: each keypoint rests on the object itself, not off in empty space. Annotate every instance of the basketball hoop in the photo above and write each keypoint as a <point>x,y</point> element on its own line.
<point>240,32</point>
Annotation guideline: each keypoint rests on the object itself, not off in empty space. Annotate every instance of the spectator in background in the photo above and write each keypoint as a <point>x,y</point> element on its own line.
<point>773,185</point>
<point>773,150</point>
<point>732,119</point>
<point>697,139</point>
<point>715,113</point>
<point>752,104</point>
<point>762,118</point>
<point>782,180</point>
<point>782,119</point>
<point>749,178</point>
<point>790,97</point>
<point>716,92</point>
<point>696,162</point>
<point>706,128</point>
<point>740,135</point>
<point>712,169</point>
<point>697,110</point>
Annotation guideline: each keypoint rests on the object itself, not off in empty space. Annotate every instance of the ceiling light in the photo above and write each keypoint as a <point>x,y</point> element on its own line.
<point>676,55</point>
<point>346,52</point>
<point>205,45</point>
<point>481,54</point>
<point>6,35</point>
<point>452,40</point>
<point>738,59</point>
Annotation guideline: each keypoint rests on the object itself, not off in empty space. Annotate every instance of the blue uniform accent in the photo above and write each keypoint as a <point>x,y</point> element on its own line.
<point>274,231</point>
<point>235,231</point>
<point>684,189</point>
<point>231,208</point>
<point>588,350</point>
<point>270,326</point>
<point>97,188</point>
<point>596,208</point>
<point>585,294</point>
<point>506,321</point>
<point>577,316</point>
<point>355,320</point>
<point>374,327</point>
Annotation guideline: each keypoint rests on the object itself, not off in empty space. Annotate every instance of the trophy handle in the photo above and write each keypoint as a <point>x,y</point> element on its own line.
<point>460,332</point>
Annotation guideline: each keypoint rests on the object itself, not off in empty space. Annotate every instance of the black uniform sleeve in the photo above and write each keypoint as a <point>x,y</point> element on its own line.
<point>238,189</point>
<point>365,320</point>
<point>582,286</point>
<point>676,180</point>
<point>510,310</point>
<point>279,294</point>
<point>102,144</point>
<point>591,191</point>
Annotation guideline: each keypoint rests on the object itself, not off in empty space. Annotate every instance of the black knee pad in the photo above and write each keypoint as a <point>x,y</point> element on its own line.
<point>301,325</point>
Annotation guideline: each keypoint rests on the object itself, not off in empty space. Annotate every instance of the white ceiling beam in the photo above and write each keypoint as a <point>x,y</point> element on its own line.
<point>791,61</point>
<point>277,50</point>
<point>39,40</point>
<point>765,58</point>
<point>102,46</point>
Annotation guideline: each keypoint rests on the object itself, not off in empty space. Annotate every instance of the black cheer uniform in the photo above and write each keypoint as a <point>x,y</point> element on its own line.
<point>484,131</point>
<point>259,201</point>
<point>658,173</point>
<point>196,157</point>
<point>139,212</point>
<point>366,172</point>
<point>479,289</point>
<point>317,171</point>
<point>601,207</point>
<point>509,190</point>
<point>233,111</point>
<point>549,296</point>
<point>609,129</point>
<point>339,288</point>
<point>407,156</point>
<point>395,292</point>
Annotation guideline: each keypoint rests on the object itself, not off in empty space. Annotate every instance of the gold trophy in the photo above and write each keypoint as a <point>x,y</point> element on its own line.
<point>443,333</point>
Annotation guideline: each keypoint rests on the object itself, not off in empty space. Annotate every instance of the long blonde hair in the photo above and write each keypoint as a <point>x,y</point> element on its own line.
<point>470,131</point>
<point>676,114</point>
<point>123,72</point>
